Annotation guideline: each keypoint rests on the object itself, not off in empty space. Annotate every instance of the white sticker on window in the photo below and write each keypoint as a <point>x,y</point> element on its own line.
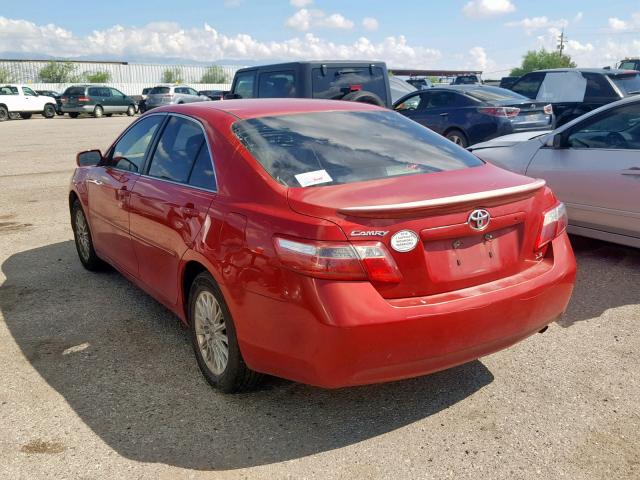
<point>313,178</point>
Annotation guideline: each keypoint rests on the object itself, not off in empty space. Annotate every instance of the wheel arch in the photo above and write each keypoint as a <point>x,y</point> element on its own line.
<point>191,269</point>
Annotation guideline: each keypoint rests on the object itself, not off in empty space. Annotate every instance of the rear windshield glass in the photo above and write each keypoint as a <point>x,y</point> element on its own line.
<point>74,91</point>
<point>329,148</point>
<point>494,94</point>
<point>335,83</point>
<point>628,83</point>
<point>159,90</point>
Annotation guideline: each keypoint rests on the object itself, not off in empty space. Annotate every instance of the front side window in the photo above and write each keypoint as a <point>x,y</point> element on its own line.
<point>277,85</point>
<point>244,84</point>
<point>329,148</point>
<point>130,151</point>
<point>28,92</point>
<point>618,129</point>
<point>410,104</point>
<point>159,91</point>
<point>116,93</point>
<point>529,85</point>
<point>177,150</point>
<point>191,91</point>
<point>446,100</point>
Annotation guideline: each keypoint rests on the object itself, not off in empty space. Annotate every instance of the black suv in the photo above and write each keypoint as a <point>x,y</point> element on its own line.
<point>576,91</point>
<point>360,81</point>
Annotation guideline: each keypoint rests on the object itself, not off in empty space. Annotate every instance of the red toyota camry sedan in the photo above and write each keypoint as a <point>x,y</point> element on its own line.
<point>331,243</point>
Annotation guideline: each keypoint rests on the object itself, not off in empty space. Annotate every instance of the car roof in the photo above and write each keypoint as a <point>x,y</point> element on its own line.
<point>267,107</point>
<point>328,63</point>
<point>605,71</point>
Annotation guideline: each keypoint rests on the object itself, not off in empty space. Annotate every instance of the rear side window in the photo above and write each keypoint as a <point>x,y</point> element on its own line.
<point>563,87</point>
<point>75,91</point>
<point>130,151</point>
<point>529,85</point>
<point>159,91</point>
<point>244,84</point>
<point>177,150</point>
<point>8,90</point>
<point>202,174</point>
<point>277,85</point>
<point>598,87</point>
<point>335,83</point>
<point>327,148</point>
<point>629,84</point>
<point>447,100</point>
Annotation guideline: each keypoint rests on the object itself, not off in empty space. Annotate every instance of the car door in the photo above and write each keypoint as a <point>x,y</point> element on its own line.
<point>118,101</point>
<point>169,203</point>
<point>440,111</point>
<point>597,175</point>
<point>30,101</point>
<point>193,95</point>
<point>109,186</point>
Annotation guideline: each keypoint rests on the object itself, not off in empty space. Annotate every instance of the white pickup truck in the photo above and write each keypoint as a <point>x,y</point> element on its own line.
<point>22,100</point>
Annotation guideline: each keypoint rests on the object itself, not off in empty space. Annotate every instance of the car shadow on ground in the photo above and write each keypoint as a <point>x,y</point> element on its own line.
<point>125,366</point>
<point>608,277</point>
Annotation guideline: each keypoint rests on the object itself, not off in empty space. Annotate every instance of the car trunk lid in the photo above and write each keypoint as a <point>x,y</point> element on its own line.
<point>448,254</point>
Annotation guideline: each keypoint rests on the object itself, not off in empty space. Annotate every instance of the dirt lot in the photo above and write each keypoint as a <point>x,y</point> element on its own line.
<point>99,381</point>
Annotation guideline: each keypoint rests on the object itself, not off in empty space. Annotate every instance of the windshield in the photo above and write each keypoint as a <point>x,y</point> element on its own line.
<point>329,148</point>
<point>159,90</point>
<point>335,83</point>
<point>74,91</point>
<point>494,94</point>
<point>628,83</point>
<point>630,65</point>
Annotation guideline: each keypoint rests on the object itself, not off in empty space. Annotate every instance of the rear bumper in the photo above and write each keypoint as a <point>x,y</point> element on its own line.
<point>344,333</point>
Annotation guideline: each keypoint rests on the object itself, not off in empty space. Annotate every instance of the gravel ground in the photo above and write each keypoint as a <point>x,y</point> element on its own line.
<point>99,381</point>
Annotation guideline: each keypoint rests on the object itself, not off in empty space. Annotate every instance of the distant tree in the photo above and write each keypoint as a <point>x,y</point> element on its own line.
<point>172,75</point>
<point>5,76</point>
<point>214,74</point>
<point>97,77</point>
<point>541,60</point>
<point>58,72</point>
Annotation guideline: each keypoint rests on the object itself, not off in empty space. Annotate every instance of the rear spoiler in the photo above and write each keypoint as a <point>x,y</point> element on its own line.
<point>446,202</point>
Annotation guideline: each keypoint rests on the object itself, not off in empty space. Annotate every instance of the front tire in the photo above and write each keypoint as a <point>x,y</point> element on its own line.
<point>4,113</point>
<point>214,340</point>
<point>131,111</point>
<point>83,239</point>
<point>49,111</point>
<point>98,112</point>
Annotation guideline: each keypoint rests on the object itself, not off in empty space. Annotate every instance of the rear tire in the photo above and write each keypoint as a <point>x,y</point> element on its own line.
<point>26,116</point>
<point>458,137</point>
<point>363,96</point>
<point>4,113</point>
<point>98,112</point>
<point>214,340</point>
<point>83,239</point>
<point>14,116</point>
<point>49,111</point>
<point>131,111</point>
<point>73,114</point>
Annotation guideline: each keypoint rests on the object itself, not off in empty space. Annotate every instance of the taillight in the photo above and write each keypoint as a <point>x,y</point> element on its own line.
<point>504,112</point>
<point>83,99</point>
<point>548,109</point>
<point>338,260</point>
<point>554,222</point>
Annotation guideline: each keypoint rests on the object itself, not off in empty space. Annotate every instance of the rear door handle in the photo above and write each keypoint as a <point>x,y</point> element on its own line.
<point>631,171</point>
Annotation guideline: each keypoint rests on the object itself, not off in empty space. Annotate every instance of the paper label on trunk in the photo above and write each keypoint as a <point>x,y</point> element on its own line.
<point>404,241</point>
<point>313,178</point>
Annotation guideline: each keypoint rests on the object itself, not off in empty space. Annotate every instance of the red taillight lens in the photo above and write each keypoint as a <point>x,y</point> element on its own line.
<point>548,109</point>
<point>504,112</point>
<point>83,99</point>
<point>355,88</point>
<point>554,222</point>
<point>338,260</point>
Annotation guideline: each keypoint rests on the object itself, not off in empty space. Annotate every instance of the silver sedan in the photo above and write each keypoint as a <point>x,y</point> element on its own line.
<point>591,163</point>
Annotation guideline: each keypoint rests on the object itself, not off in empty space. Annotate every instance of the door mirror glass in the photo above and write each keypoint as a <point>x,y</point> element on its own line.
<point>89,158</point>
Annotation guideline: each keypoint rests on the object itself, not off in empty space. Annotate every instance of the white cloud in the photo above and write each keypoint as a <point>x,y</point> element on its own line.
<point>370,24</point>
<point>488,8</point>
<point>300,3</point>
<point>305,19</point>
<point>232,3</point>
<point>168,39</point>
<point>619,25</point>
<point>530,25</point>
<point>578,18</point>
<point>479,59</point>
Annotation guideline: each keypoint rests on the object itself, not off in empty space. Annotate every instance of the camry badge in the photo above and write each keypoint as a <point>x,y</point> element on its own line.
<point>404,240</point>
<point>369,233</point>
<point>479,220</point>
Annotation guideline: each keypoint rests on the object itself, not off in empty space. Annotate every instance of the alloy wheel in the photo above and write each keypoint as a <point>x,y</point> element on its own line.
<point>82,234</point>
<point>211,332</point>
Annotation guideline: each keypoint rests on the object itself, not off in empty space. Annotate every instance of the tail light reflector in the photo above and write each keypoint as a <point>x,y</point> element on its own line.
<point>83,99</point>
<point>338,260</point>
<point>504,112</point>
<point>548,109</point>
<point>554,222</point>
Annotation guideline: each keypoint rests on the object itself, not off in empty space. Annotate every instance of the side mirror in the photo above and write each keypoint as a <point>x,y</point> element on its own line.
<point>557,141</point>
<point>88,158</point>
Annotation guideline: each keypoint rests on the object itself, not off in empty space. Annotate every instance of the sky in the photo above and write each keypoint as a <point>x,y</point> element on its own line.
<point>488,35</point>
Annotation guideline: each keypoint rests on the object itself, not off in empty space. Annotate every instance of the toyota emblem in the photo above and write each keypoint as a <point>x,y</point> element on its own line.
<point>479,220</point>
